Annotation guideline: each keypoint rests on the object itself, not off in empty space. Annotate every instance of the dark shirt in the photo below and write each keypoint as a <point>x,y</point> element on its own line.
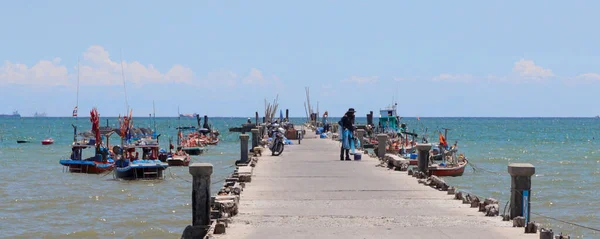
<point>347,122</point>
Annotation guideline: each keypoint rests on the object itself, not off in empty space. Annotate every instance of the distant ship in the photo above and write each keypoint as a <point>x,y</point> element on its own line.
<point>188,115</point>
<point>39,114</point>
<point>15,114</point>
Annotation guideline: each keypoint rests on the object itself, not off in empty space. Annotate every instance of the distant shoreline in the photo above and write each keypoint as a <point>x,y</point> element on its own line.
<point>421,117</point>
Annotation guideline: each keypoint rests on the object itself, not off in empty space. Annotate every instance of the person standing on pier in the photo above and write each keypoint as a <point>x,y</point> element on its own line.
<point>347,124</point>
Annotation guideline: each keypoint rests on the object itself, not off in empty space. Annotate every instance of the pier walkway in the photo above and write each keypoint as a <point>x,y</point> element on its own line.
<point>307,192</point>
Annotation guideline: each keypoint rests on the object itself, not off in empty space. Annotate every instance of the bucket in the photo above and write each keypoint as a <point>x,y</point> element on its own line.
<point>357,156</point>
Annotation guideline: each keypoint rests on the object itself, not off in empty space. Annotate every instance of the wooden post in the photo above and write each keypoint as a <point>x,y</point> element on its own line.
<point>254,138</point>
<point>520,187</point>
<point>382,143</point>
<point>256,114</point>
<point>201,173</point>
<point>423,157</point>
<point>244,148</point>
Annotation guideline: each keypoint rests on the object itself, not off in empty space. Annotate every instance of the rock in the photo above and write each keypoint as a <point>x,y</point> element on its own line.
<point>546,233</point>
<point>451,190</point>
<point>219,228</point>
<point>474,202</point>
<point>467,199</point>
<point>492,210</point>
<point>482,206</point>
<point>410,172</point>
<point>458,195</point>
<point>489,201</point>
<point>531,227</point>
<point>518,222</point>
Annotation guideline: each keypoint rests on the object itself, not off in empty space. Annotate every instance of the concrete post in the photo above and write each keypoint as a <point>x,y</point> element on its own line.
<point>382,142</point>
<point>423,157</point>
<point>520,181</point>
<point>244,148</point>
<point>201,173</point>
<point>255,133</point>
<point>360,133</point>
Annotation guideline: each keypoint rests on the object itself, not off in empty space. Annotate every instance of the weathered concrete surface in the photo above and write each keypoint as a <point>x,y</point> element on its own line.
<point>307,192</point>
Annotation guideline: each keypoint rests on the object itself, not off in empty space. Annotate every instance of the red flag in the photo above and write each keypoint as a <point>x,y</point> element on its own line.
<point>443,140</point>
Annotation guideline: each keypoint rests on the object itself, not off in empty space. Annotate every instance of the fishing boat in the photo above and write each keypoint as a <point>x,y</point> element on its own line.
<point>180,158</point>
<point>100,160</point>
<point>451,165</point>
<point>450,168</point>
<point>47,141</point>
<point>189,141</point>
<point>22,141</point>
<point>192,145</point>
<point>129,166</point>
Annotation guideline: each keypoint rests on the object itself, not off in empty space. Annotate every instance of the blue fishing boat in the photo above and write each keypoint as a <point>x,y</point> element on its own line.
<point>129,165</point>
<point>100,160</point>
<point>389,119</point>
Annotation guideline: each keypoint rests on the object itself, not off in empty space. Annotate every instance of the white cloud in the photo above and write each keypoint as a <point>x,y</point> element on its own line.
<point>43,73</point>
<point>362,79</point>
<point>528,69</point>
<point>453,77</point>
<point>96,68</point>
<point>589,76</point>
<point>255,76</point>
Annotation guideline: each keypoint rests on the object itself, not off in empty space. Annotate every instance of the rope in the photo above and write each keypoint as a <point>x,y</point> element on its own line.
<point>563,221</point>
<point>477,168</point>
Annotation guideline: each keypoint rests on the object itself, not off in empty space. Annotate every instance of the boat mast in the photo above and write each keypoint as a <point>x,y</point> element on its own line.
<point>77,100</point>
<point>178,127</point>
<point>124,88</point>
<point>154,115</point>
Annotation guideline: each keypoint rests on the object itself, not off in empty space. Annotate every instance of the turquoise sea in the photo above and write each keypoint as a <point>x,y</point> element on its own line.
<point>38,200</point>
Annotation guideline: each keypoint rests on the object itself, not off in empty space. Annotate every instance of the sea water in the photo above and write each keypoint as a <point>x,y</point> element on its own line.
<point>38,200</point>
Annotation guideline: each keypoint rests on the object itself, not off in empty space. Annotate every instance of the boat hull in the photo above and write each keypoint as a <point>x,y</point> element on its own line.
<point>213,142</point>
<point>89,167</point>
<point>448,171</point>
<point>178,162</point>
<point>135,171</point>
<point>193,150</point>
<point>47,142</point>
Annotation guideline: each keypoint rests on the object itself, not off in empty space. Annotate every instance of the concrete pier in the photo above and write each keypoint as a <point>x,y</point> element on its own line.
<point>307,192</point>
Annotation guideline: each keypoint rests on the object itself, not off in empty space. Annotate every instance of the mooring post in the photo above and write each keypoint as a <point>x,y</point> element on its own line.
<point>360,133</point>
<point>423,157</point>
<point>256,114</point>
<point>244,148</point>
<point>382,143</point>
<point>255,133</point>
<point>520,189</point>
<point>201,173</point>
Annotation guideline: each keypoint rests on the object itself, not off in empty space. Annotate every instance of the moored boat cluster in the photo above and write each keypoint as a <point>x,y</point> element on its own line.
<point>124,159</point>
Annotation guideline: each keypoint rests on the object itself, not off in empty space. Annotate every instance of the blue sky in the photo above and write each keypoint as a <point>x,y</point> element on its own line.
<point>223,58</point>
